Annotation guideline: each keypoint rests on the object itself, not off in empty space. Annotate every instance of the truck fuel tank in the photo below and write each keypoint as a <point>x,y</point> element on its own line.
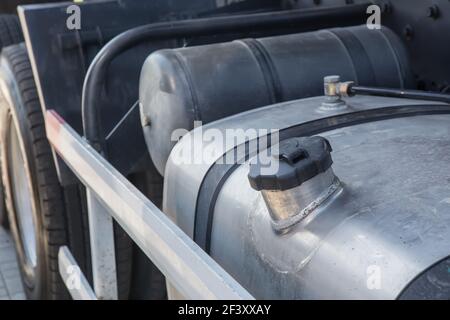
<point>358,208</point>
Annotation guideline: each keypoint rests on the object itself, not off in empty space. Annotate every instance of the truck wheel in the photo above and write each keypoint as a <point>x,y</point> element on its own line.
<point>10,33</point>
<point>10,30</point>
<point>34,197</point>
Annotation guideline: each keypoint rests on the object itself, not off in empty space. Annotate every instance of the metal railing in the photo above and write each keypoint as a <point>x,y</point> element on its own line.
<point>110,195</point>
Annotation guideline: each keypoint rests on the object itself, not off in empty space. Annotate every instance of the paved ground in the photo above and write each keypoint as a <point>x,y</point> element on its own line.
<point>10,283</point>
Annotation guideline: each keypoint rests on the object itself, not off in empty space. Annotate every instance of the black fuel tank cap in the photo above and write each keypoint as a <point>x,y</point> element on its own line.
<point>299,159</point>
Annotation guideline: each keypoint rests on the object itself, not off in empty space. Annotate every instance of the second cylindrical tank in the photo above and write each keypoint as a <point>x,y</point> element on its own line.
<point>206,83</point>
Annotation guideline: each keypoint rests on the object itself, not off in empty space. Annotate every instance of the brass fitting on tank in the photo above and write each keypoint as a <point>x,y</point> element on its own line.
<point>334,90</point>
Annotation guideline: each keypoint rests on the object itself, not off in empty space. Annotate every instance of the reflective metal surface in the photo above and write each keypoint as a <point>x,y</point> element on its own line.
<point>289,207</point>
<point>390,222</point>
<point>189,269</point>
<point>103,255</point>
<point>75,281</point>
<point>182,180</point>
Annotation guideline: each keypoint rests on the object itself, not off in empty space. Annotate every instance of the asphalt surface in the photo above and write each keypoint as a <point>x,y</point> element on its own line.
<point>10,283</point>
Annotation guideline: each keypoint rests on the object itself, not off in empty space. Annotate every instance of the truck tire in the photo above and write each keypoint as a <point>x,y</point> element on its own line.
<point>10,33</point>
<point>35,200</point>
<point>33,197</point>
<point>10,30</point>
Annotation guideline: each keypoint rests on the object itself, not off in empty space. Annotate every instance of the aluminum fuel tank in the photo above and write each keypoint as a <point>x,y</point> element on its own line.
<point>387,223</point>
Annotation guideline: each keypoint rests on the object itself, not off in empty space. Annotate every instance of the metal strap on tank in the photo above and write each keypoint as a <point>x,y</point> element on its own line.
<point>207,196</point>
<point>362,65</point>
<point>206,199</point>
<point>268,69</point>
<point>189,81</point>
<point>219,172</point>
<point>401,68</point>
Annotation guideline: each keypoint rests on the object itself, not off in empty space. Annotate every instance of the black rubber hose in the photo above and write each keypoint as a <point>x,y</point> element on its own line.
<point>96,73</point>
<point>399,93</point>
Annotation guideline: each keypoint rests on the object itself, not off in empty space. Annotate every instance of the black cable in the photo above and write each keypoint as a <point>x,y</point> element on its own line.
<point>166,30</point>
<point>399,93</point>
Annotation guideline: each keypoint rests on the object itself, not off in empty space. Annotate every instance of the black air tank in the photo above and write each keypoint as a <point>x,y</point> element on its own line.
<point>206,83</point>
